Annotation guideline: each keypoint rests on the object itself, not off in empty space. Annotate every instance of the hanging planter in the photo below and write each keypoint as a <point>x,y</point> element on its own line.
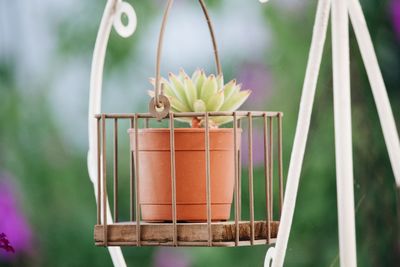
<point>183,180</point>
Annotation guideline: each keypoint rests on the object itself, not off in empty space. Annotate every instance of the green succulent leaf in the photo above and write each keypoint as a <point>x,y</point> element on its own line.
<point>178,88</point>
<point>178,105</point>
<point>199,82</point>
<point>190,91</point>
<point>182,75</point>
<point>196,75</point>
<point>209,88</point>
<point>230,88</point>
<point>235,101</point>
<point>202,93</point>
<point>168,91</point>
<point>199,106</point>
<point>215,102</point>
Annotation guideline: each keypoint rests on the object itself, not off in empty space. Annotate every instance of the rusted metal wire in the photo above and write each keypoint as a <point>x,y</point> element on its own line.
<point>99,138</point>
<point>237,200</point>
<point>104,173</point>
<point>168,7</point>
<point>131,182</point>
<point>271,167</point>
<point>173,178</point>
<point>251,192</point>
<point>213,38</point>
<point>280,163</point>
<point>115,170</point>
<point>208,179</point>
<point>240,174</point>
<point>267,179</point>
<point>137,180</point>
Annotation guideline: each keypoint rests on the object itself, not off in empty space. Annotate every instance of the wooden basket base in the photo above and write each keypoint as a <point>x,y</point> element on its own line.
<point>189,234</point>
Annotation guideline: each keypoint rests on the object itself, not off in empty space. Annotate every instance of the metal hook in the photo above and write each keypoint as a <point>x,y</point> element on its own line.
<point>269,257</point>
<point>125,30</point>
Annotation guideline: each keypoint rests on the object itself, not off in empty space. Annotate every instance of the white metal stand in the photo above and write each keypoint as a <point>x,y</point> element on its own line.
<point>342,113</point>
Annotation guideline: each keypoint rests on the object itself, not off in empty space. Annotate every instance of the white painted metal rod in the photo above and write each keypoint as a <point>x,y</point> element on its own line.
<point>377,85</point>
<point>343,137</point>
<point>302,129</point>
<point>96,79</point>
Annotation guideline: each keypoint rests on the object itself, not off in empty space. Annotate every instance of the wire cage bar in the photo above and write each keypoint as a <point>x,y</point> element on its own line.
<point>234,232</point>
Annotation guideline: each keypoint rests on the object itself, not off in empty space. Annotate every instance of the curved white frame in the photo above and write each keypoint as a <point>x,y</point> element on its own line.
<point>111,17</point>
<point>342,106</point>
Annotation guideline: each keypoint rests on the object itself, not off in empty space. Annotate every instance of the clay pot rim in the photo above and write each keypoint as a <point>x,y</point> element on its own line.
<point>184,130</point>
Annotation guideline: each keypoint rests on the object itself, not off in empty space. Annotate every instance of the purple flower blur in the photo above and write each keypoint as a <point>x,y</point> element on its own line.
<point>257,78</point>
<point>395,14</point>
<point>13,223</point>
<point>170,257</point>
<point>258,147</point>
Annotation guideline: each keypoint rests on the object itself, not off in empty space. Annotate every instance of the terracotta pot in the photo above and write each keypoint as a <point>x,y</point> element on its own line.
<point>155,173</point>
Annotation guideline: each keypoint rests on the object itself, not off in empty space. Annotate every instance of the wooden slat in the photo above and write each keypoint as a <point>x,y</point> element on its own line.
<point>189,234</point>
<point>189,244</point>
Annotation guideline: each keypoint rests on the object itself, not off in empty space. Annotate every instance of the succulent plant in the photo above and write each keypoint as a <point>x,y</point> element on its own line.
<point>202,93</point>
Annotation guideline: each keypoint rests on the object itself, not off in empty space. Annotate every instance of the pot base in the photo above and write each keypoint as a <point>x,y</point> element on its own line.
<point>185,212</point>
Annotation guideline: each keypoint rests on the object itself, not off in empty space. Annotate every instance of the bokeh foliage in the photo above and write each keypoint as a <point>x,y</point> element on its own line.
<point>58,197</point>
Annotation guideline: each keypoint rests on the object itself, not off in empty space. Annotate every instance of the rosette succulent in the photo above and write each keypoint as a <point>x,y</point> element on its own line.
<point>202,93</point>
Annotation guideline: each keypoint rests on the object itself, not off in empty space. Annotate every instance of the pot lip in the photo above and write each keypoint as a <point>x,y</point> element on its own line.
<point>184,130</point>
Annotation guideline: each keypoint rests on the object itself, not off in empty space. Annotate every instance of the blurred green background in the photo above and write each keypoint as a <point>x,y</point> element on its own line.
<point>47,206</point>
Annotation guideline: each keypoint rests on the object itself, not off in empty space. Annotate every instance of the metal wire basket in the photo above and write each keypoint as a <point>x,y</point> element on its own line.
<point>236,232</point>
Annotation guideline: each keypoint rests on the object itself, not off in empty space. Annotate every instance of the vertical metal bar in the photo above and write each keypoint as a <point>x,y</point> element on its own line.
<point>240,175</point>
<point>251,191</point>
<point>266,173</point>
<point>237,200</point>
<point>173,177</point>
<point>280,163</point>
<point>343,131</point>
<point>146,123</point>
<point>271,166</point>
<point>98,172</point>
<point>105,230</point>
<point>131,182</point>
<point>208,179</point>
<point>137,197</point>
<point>116,170</point>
